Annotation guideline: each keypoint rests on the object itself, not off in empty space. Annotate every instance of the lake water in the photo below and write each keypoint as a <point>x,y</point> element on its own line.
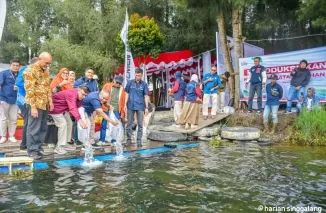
<point>229,178</point>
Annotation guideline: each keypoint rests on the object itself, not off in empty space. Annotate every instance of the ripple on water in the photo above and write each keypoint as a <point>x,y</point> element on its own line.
<point>229,178</point>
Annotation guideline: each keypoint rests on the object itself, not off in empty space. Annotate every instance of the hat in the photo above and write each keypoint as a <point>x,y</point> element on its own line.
<point>304,61</point>
<point>273,76</point>
<point>118,79</point>
<point>227,74</point>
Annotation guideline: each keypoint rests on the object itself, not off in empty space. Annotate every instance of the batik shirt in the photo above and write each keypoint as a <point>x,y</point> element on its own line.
<point>37,86</point>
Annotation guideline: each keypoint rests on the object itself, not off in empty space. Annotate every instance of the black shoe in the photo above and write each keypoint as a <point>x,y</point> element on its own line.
<point>258,112</point>
<point>249,111</point>
<point>127,144</point>
<point>78,143</point>
<point>71,142</point>
<point>139,145</point>
<point>23,149</point>
<point>95,145</point>
<point>35,156</point>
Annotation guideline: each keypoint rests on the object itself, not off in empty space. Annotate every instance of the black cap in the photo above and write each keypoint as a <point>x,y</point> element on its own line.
<point>118,79</point>
<point>304,61</point>
<point>227,74</point>
<point>273,76</point>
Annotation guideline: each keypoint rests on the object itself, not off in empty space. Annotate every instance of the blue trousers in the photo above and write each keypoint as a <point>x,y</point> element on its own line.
<point>271,109</point>
<point>292,94</point>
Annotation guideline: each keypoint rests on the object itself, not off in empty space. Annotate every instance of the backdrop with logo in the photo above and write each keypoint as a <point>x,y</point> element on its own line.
<point>282,65</point>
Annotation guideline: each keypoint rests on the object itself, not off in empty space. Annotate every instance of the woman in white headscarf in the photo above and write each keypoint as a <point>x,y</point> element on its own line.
<point>191,109</point>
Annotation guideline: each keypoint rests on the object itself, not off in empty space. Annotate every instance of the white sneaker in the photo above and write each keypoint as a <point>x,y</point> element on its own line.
<point>69,148</point>
<point>60,150</point>
<point>100,143</point>
<point>51,146</point>
<point>187,126</point>
<point>3,139</point>
<point>12,139</point>
<point>194,126</point>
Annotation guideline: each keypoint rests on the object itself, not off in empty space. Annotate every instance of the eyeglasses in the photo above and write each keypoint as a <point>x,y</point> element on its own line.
<point>65,73</point>
<point>213,70</point>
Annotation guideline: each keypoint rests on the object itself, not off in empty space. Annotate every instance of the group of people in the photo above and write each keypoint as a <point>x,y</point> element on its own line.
<point>300,79</point>
<point>50,108</point>
<point>188,97</point>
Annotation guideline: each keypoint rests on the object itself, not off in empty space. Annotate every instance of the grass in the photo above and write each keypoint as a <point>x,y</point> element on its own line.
<point>309,128</point>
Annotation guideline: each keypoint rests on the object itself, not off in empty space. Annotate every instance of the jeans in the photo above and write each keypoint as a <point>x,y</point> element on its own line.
<point>271,109</point>
<point>140,121</point>
<point>105,123</point>
<point>24,112</point>
<point>291,95</point>
<point>255,88</point>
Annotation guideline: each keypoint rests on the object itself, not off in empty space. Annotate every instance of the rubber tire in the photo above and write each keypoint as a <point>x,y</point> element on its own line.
<point>166,136</point>
<point>240,133</point>
<point>207,132</point>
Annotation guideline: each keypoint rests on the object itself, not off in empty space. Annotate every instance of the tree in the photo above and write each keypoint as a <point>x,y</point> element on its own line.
<point>144,37</point>
<point>314,11</point>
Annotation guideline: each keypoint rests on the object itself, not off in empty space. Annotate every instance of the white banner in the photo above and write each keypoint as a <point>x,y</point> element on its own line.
<point>282,64</point>
<point>207,64</point>
<point>3,9</point>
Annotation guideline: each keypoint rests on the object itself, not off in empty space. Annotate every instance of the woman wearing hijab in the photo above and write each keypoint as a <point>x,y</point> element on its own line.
<point>191,108</point>
<point>72,77</point>
<point>59,83</point>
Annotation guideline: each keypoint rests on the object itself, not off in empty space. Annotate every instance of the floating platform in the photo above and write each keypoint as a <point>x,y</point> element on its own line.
<point>68,160</point>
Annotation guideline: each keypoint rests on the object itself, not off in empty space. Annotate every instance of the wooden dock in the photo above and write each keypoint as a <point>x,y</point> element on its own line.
<point>12,150</point>
<point>167,127</point>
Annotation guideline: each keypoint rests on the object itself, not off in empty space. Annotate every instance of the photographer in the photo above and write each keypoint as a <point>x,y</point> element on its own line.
<point>310,101</point>
<point>300,79</point>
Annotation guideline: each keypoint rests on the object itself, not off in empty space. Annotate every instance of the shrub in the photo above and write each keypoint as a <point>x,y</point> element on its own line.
<point>309,128</point>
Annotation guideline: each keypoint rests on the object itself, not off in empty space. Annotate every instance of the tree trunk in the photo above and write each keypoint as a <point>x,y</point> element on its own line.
<point>226,52</point>
<point>237,36</point>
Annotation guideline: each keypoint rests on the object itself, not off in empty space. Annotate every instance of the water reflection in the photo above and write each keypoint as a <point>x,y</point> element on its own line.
<point>228,178</point>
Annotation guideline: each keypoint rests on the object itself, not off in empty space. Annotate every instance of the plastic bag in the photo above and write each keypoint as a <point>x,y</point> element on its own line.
<point>115,132</point>
<point>83,134</point>
<point>228,110</point>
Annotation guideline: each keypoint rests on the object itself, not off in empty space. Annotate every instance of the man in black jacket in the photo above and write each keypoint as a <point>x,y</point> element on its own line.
<point>300,79</point>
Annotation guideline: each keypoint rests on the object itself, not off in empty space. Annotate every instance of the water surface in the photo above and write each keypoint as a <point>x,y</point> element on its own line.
<point>229,178</point>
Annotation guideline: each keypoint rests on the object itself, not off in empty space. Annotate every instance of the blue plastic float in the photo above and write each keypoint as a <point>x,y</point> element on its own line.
<point>79,161</point>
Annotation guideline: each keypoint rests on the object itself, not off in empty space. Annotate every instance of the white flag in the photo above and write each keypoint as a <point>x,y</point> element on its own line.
<point>124,31</point>
<point>129,72</point>
<point>3,9</point>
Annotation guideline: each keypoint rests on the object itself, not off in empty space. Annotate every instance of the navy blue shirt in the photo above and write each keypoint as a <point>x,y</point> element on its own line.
<point>209,85</point>
<point>7,82</point>
<point>91,84</point>
<point>271,99</point>
<point>256,74</point>
<point>136,91</point>
<point>92,102</point>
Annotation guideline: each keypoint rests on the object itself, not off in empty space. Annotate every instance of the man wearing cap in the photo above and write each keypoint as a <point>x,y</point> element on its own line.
<point>300,79</point>
<point>274,93</point>
<point>117,101</point>
<point>221,91</point>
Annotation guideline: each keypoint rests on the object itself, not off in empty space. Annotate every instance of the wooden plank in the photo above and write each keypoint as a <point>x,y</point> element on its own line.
<point>202,123</point>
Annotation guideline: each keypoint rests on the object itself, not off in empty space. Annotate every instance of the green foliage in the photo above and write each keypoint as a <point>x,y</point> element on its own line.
<point>315,11</point>
<point>215,142</point>
<point>77,57</point>
<point>144,37</point>
<point>309,128</point>
<point>21,174</point>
